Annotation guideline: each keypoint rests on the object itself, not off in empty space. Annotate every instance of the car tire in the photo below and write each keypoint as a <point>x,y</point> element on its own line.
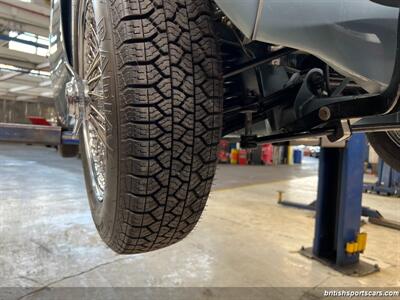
<point>162,92</point>
<point>387,146</point>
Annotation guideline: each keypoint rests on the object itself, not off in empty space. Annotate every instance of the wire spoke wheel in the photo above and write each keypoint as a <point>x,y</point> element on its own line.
<point>94,126</point>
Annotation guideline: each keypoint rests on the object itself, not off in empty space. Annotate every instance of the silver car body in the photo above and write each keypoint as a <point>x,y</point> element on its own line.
<point>358,38</point>
<point>61,67</point>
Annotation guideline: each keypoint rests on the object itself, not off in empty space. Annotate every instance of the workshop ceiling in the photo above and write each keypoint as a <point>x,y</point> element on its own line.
<point>24,67</point>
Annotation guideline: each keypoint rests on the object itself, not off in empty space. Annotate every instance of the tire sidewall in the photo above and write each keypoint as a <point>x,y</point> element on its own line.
<point>386,148</point>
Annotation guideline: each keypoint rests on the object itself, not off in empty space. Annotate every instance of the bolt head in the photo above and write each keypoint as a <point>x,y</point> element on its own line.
<point>324,113</point>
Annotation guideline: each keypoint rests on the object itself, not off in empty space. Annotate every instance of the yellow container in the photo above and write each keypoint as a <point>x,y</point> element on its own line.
<point>290,160</point>
<point>234,156</point>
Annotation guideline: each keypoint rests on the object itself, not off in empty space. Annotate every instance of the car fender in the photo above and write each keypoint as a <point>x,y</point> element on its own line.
<point>60,59</point>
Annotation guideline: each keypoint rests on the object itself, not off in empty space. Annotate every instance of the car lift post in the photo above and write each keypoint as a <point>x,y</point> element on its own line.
<point>338,241</point>
<point>388,181</point>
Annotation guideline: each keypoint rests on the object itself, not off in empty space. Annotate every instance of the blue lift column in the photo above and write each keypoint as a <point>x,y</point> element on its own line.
<point>337,240</point>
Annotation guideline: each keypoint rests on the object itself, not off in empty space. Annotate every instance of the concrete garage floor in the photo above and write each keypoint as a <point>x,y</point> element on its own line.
<point>47,238</point>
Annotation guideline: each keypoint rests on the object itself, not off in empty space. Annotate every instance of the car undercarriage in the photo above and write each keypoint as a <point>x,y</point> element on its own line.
<point>295,94</point>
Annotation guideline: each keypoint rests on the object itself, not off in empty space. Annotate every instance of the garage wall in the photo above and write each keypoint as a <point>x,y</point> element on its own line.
<point>18,111</point>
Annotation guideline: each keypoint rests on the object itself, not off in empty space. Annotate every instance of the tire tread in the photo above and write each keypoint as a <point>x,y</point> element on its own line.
<point>170,84</point>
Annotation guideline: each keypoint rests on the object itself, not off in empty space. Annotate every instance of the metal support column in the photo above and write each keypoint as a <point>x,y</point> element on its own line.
<point>338,207</point>
<point>388,182</point>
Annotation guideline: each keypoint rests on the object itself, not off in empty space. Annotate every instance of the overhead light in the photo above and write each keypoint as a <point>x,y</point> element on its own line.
<point>20,88</point>
<point>43,83</point>
<point>47,94</point>
<point>9,76</point>
<point>43,65</point>
<point>23,98</point>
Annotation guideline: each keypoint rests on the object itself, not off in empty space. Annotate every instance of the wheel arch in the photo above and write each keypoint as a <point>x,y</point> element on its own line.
<point>66,19</point>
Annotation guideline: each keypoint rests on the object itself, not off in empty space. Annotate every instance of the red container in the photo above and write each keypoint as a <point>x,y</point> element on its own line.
<point>39,121</point>
<point>223,154</point>
<point>243,160</point>
<point>267,154</point>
